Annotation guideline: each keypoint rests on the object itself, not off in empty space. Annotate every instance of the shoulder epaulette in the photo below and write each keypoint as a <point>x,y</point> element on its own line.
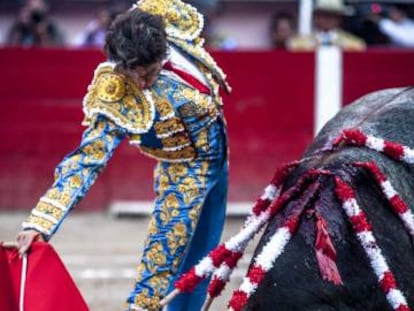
<point>116,96</point>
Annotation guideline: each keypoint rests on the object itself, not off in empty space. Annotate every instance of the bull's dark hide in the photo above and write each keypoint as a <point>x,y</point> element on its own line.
<point>295,283</point>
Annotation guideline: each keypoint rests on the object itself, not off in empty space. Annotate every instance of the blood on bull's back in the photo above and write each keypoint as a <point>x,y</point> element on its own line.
<point>352,246</point>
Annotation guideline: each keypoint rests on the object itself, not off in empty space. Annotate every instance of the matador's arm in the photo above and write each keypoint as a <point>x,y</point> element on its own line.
<point>114,109</point>
<point>74,176</point>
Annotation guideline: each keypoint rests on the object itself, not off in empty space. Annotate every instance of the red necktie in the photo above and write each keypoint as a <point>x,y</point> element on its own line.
<point>190,79</point>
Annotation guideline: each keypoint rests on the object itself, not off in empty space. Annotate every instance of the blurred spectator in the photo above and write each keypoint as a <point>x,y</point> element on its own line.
<point>363,25</point>
<point>398,27</point>
<point>214,38</point>
<point>94,33</point>
<point>282,29</point>
<point>33,27</point>
<point>327,18</point>
<point>205,6</point>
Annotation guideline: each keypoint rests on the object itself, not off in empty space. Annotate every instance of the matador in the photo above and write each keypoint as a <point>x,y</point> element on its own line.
<point>179,121</point>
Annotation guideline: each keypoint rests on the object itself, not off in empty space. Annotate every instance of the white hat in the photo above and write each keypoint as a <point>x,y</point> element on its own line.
<point>332,6</point>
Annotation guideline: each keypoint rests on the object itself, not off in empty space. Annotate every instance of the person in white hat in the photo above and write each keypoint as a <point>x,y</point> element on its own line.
<point>327,20</point>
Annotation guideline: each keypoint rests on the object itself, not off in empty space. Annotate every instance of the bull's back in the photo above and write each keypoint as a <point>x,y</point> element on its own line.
<point>294,283</point>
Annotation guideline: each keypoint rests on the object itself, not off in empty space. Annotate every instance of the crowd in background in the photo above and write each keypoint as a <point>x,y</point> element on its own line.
<point>354,28</point>
<point>34,26</point>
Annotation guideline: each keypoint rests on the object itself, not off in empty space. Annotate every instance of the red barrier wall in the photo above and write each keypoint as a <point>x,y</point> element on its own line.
<point>270,117</point>
<point>376,69</point>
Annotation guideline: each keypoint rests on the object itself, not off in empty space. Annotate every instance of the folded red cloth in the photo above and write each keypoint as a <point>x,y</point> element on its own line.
<point>187,77</point>
<point>48,286</point>
<point>8,299</point>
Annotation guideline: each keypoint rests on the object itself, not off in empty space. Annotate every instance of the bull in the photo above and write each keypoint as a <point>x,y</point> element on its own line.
<point>362,264</point>
<point>338,223</point>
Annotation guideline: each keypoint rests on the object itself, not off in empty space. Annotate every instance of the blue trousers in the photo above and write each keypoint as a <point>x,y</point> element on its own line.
<point>186,224</point>
<point>206,237</point>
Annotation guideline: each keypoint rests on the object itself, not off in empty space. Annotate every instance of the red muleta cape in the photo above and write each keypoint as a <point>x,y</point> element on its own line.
<point>48,285</point>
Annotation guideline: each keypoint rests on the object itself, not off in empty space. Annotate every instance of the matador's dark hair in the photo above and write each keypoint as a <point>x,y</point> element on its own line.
<point>136,38</point>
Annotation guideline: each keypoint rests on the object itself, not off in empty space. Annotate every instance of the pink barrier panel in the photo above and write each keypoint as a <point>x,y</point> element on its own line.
<point>270,119</point>
<point>270,115</point>
<point>376,69</point>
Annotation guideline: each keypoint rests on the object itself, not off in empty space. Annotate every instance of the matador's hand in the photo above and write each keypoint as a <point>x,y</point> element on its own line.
<point>26,238</point>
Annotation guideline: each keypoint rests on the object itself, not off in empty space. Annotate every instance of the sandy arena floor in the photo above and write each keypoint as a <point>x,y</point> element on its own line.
<point>101,253</point>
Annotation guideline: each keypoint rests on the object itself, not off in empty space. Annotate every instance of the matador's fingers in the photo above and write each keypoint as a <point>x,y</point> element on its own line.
<point>25,240</point>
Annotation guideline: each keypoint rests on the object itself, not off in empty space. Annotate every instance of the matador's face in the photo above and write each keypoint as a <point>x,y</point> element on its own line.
<point>145,76</point>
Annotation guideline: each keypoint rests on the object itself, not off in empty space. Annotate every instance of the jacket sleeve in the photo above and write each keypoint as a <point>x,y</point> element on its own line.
<point>74,176</point>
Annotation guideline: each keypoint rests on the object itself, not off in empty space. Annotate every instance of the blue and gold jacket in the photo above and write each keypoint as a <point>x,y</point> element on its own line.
<point>164,122</point>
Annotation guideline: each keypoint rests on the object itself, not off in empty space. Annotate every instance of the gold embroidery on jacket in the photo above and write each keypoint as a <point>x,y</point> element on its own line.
<point>49,210</point>
<point>165,109</point>
<point>46,225</point>
<point>185,154</point>
<point>182,20</point>
<point>169,127</point>
<point>177,140</point>
<point>116,96</point>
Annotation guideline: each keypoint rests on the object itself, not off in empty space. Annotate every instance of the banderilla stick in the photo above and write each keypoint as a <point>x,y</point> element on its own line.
<point>208,303</point>
<point>169,297</point>
<point>176,292</point>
